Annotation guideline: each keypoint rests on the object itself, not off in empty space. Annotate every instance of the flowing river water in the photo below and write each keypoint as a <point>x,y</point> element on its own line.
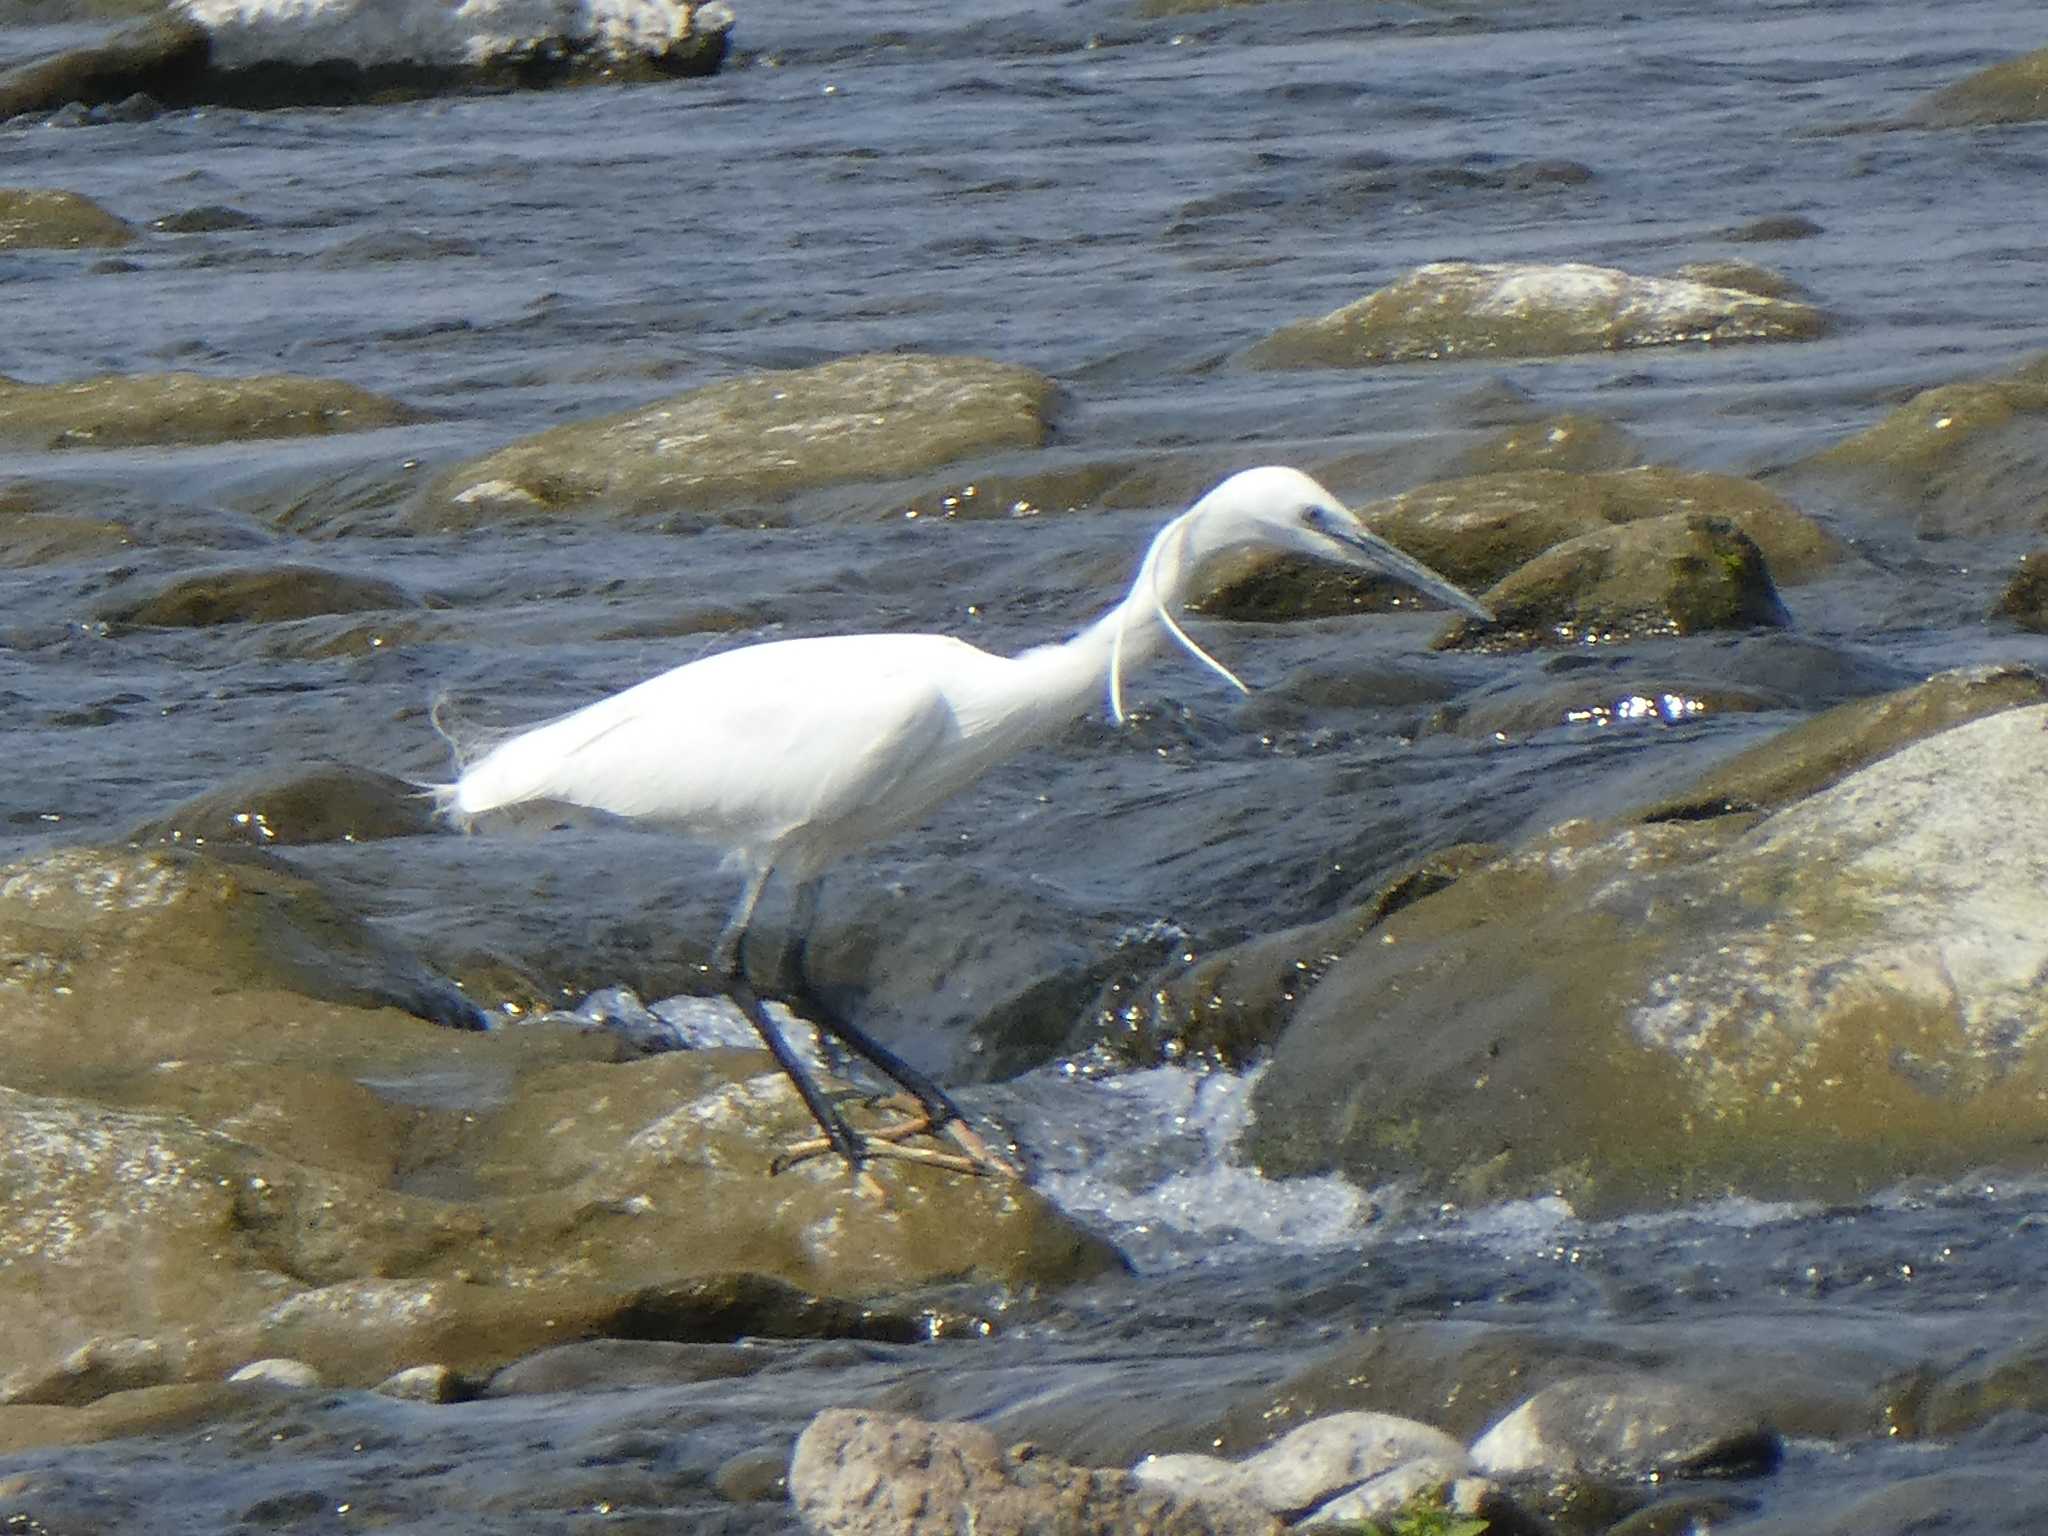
<point>1124,201</point>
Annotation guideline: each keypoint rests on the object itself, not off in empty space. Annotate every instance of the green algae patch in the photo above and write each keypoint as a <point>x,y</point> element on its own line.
<point>39,218</point>
<point>169,409</point>
<point>1458,309</point>
<point>758,439</point>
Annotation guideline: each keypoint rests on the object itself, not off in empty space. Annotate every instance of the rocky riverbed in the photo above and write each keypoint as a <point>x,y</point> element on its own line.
<point>1581,1070</point>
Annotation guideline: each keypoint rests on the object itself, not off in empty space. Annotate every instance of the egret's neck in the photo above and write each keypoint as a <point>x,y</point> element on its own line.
<point>1079,671</point>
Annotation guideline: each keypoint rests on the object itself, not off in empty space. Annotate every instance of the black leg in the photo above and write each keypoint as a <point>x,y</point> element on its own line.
<point>943,1115</point>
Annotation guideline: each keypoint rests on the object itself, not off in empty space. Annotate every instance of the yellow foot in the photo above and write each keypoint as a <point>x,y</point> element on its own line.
<point>974,1157</point>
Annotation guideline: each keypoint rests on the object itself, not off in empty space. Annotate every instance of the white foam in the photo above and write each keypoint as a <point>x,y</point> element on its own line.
<point>370,33</point>
<point>1152,1154</point>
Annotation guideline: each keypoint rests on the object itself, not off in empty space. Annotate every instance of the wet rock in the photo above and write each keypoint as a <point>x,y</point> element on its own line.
<point>1687,1514</point>
<point>1959,460</point>
<point>1815,1003</point>
<point>141,410</point>
<point>1808,757</point>
<point>1777,226</point>
<point>863,1474</point>
<point>1016,494</point>
<point>145,1411</point>
<point>1598,703</point>
<point>324,803</point>
<point>1965,1501</point>
<point>2015,91</point>
<point>2025,598</point>
<point>207,219</point>
<point>293,1375</point>
<point>1229,1007</point>
<point>1306,1467</point>
<point>161,57</point>
<point>51,219</point>
<point>1576,443</point>
<point>758,1476</point>
<point>1480,529</point>
<point>1458,309</point>
<point>32,537</point>
<point>1261,587</point>
<point>1745,275</point>
<point>759,438</point>
<point>265,594</point>
<point>1309,1466</point>
<point>96,932</point>
<point>2013,1378</point>
<point>120,1363</point>
<point>354,1188</point>
<point>424,1384</point>
<point>1626,1428</point>
<point>610,1365</point>
<point>342,52</point>
<point>1457,1377</point>
<point>1429,1482</point>
<point>1678,575</point>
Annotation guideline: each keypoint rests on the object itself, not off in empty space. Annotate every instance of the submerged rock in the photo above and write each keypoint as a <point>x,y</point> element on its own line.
<point>734,445</point>
<point>259,53</point>
<point>1961,459</point>
<point>49,218</point>
<point>1578,443</point>
<point>2015,91</point>
<point>2025,598</point>
<point>1456,309</point>
<point>1818,1003</point>
<point>1620,1426</point>
<point>868,1474</point>
<point>32,537</point>
<point>1682,574</point>
<point>144,409</point>
<point>264,594</point>
<point>325,803</point>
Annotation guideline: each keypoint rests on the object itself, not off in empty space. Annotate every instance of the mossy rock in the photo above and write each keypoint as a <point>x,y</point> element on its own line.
<point>759,439</point>
<point>163,409</point>
<point>2025,598</point>
<point>1458,309</point>
<point>1962,459</point>
<point>1812,1004</point>
<point>1683,574</point>
<point>2015,91</point>
<point>1479,529</point>
<point>266,594</point>
<point>49,219</point>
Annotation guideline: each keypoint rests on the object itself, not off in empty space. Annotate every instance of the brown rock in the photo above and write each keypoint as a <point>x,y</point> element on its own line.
<point>50,218</point>
<point>755,439</point>
<point>863,1474</point>
<point>140,410</point>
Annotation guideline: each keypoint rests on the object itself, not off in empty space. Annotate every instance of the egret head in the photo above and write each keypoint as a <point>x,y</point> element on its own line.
<point>1280,508</point>
<point>1269,508</point>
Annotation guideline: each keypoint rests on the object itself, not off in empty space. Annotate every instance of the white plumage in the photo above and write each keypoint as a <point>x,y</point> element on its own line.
<point>791,754</point>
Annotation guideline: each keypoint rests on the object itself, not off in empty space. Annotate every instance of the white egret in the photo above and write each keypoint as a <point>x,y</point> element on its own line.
<point>792,753</point>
